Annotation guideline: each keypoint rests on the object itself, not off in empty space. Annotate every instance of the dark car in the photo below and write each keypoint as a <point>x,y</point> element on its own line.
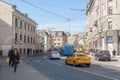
<point>102,55</point>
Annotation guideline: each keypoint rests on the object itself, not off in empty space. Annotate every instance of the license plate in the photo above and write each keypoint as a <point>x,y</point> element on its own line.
<point>84,58</point>
<point>105,55</point>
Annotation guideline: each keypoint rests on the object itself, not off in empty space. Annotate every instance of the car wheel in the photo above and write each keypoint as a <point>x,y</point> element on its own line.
<point>74,64</point>
<point>88,65</point>
<point>66,62</point>
<point>109,59</point>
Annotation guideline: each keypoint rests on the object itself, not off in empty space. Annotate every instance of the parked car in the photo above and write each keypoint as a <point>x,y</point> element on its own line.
<point>54,55</point>
<point>78,59</point>
<point>102,55</point>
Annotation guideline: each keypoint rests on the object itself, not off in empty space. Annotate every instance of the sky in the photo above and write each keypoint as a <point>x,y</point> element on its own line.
<point>56,15</point>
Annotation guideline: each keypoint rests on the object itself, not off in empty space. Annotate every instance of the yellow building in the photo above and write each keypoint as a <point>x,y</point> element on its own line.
<point>59,38</point>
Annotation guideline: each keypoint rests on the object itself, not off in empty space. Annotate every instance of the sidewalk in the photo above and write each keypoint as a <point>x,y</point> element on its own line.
<point>24,72</point>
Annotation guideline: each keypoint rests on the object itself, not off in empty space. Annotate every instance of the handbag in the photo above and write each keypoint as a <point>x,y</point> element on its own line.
<point>7,59</point>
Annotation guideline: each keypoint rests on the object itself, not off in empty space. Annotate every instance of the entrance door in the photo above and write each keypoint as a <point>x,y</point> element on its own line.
<point>110,48</point>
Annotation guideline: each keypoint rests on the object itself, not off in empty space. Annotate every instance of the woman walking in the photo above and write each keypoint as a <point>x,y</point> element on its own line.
<point>16,58</point>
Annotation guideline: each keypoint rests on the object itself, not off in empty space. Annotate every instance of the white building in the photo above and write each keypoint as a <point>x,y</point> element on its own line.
<point>16,29</point>
<point>40,40</point>
<point>47,43</point>
<point>104,24</point>
<point>73,39</point>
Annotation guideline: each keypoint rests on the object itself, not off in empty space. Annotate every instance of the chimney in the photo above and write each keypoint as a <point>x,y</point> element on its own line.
<point>26,14</point>
<point>14,6</point>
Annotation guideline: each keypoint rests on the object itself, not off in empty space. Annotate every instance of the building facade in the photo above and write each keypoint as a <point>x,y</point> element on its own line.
<point>44,40</point>
<point>40,40</point>
<point>103,25</point>
<point>73,39</point>
<point>16,29</point>
<point>59,38</point>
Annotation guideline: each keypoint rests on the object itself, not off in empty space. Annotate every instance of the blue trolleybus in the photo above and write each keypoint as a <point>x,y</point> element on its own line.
<point>67,49</point>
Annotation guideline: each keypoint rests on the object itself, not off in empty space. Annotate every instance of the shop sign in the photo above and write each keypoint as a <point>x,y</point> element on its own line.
<point>110,40</point>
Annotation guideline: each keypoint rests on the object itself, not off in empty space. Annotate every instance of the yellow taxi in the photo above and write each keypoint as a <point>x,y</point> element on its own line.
<point>81,51</point>
<point>78,59</point>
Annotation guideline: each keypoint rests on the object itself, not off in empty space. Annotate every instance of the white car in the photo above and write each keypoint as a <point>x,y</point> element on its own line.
<point>54,55</point>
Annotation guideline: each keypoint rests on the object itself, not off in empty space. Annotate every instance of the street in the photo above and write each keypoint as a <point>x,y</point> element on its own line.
<point>58,70</point>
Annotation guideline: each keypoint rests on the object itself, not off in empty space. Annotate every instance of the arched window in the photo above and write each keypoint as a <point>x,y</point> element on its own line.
<point>109,24</point>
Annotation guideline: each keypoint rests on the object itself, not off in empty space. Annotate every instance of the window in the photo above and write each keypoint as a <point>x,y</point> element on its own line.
<point>20,50</point>
<point>15,36</point>
<point>21,24</point>
<point>110,0</point>
<point>58,39</point>
<point>28,39</point>
<point>110,10</point>
<point>31,28</point>
<point>16,22</point>
<point>28,27</point>
<point>109,25</point>
<point>24,51</point>
<point>25,26</point>
<point>31,39</point>
<point>58,43</point>
<point>119,39</point>
<point>20,36</point>
<point>24,38</point>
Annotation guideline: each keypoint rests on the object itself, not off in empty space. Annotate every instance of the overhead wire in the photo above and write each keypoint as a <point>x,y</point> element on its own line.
<point>44,10</point>
<point>67,18</point>
<point>53,5</point>
<point>52,12</point>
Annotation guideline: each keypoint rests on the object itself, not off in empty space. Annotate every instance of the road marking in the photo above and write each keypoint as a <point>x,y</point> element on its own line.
<point>94,73</point>
<point>54,63</point>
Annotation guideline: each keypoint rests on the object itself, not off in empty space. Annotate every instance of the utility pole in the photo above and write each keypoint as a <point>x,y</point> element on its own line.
<point>69,21</point>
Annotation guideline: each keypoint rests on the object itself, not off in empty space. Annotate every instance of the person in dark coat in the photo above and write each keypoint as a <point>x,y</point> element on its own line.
<point>11,55</point>
<point>16,58</point>
<point>114,52</point>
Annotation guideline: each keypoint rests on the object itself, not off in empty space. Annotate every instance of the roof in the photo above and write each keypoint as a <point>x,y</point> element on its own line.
<point>6,2</point>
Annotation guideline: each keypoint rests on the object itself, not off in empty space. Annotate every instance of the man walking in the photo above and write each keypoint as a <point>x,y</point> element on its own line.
<point>11,57</point>
<point>114,52</point>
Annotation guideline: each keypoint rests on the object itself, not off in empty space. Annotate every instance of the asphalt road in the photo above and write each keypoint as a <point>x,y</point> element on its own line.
<point>58,70</point>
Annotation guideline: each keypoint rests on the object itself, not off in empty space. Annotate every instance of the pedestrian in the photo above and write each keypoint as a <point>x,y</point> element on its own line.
<point>114,52</point>
<point>16,58</point>
<point>11,56</point>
